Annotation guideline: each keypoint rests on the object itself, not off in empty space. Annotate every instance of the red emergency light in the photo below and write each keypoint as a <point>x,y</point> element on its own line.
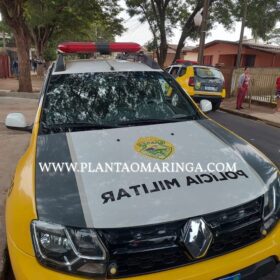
<point>103,48</point>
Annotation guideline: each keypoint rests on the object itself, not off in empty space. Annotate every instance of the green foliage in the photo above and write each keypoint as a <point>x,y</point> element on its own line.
<point>4,27</point>
<point>175,13</point>
<point>150,45</point>
<point>54,21</point>
<point>262,15</point>
<point>274,36</point>
<point>9,40</point>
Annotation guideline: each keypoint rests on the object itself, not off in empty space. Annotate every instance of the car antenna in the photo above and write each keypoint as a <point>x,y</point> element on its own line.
<point>111,67</point>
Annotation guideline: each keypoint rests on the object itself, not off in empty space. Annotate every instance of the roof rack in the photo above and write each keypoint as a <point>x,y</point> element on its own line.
<point>139,57</point>
<point>129,52</point>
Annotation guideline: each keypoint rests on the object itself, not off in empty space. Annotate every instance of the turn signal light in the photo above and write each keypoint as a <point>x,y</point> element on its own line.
<point>191,81</point>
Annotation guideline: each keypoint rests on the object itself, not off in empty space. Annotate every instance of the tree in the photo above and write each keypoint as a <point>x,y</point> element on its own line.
<point>180,15</point>
<point>13,14</point>
<point>162,17</point>
<point>51,20</point>
<point>4,29</point>
<point>227,12</point>
<point>274,37</point>
<point>44,22</point>
<point>262,15</point>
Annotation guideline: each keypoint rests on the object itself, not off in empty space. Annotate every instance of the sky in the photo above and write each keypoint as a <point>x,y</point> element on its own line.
<point>140,33</point>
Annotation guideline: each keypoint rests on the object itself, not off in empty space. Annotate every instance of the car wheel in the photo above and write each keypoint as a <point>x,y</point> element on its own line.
<point>215,106</point>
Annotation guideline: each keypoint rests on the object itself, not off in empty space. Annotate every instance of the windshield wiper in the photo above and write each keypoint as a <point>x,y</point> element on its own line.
<point>175,118</point>
<point>76,126</point>
<point>184,117</point>
<point>143,121</point>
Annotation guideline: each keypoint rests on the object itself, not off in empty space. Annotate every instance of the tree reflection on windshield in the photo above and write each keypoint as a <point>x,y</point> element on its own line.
<point>113,98</point>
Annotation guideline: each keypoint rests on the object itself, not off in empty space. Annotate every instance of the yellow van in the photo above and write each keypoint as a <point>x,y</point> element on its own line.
<point>200,82</point>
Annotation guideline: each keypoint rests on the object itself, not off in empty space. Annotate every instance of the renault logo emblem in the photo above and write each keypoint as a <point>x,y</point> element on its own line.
<point>196,237</point>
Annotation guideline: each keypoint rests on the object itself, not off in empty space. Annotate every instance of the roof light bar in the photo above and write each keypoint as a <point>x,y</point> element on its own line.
<point>103,48</point>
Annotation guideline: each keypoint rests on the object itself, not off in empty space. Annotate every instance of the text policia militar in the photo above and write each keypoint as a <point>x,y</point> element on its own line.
<point>163,185</point>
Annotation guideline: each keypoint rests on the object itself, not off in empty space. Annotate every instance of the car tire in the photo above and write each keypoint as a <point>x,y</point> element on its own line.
<point>216,105</point>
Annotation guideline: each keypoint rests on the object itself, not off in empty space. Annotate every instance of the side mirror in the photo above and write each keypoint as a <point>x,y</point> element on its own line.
<point>205,105</point>
<point>17,121</point>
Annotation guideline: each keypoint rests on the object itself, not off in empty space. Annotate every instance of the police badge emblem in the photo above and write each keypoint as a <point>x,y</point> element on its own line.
<point>154,147</point>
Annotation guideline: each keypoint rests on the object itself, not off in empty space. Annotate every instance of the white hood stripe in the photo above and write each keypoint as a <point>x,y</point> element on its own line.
<point>188,138</point>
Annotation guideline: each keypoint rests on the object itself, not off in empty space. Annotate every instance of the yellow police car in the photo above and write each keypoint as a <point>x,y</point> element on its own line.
<point>199,81</point>
<point>96,195</point>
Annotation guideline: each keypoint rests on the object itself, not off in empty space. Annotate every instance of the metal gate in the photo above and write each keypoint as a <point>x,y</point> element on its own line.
<point>4,66</point>
<point>262,83</point>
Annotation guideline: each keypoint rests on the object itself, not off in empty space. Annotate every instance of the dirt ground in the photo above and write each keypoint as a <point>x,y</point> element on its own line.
<point>11,84</point>
<point>12,146</point>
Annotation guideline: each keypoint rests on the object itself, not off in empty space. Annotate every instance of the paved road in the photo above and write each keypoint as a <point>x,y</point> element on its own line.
<point>264,137</point>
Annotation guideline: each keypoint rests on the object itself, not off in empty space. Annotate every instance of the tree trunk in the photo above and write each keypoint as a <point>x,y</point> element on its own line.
<point>159,11</point>
<point>162,53</point>
<point>188,27</point>
<point>39,52</point>
<point>13,14</point>
<point>22,44</point>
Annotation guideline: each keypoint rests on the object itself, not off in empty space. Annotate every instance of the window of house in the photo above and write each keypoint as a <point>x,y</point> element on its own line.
<point>249,60</point>
<point>207,59</point>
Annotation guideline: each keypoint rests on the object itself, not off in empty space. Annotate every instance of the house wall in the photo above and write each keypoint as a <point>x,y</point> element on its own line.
<point>227,59</point>
<point>193,56</point>
<point>220,49</point>
<point>277,60</point>
<point>169,59</point>
<point>226,53</point>
<point>263,59</point>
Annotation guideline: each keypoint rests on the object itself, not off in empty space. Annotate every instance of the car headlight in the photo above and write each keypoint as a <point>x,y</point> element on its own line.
<point>78,251</point>
<point>271,207</point>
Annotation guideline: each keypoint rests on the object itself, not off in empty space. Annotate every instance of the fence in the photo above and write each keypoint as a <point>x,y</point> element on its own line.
<point>262,83</point>
<point>4,66</point>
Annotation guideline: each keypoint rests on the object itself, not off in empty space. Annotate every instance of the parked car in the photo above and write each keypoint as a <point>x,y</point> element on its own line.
<point>76,222</point>
<point>199,81</point>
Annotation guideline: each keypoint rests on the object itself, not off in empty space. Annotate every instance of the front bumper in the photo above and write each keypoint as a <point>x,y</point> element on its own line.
<point>26,266</point>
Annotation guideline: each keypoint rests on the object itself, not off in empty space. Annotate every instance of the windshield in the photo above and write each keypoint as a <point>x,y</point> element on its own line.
<point>106,100</point>
<point>208,73</point>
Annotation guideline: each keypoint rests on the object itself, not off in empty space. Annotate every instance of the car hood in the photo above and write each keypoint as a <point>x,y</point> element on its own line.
<point>102,197</point>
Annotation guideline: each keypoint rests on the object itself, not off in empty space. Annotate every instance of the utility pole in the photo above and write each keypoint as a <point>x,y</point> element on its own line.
<point>203,31</point>
<point>238,60</point>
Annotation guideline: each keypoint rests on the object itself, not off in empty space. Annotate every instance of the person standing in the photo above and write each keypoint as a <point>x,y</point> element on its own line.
<point>242,88</point>
<point>15,67</point>
<point>278,94</point>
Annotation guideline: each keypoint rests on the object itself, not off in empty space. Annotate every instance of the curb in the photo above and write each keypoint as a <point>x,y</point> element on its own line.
<point>29,95</point>
<point>233,112</point>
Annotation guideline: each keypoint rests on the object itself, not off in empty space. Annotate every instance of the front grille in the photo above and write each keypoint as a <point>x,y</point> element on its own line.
<point>154,248</point>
